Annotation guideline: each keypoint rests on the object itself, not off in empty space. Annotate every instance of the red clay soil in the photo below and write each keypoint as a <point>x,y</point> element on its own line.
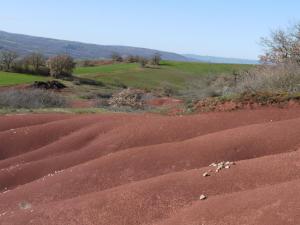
<point>14,87</point>
<point>164,101</point>
<point>134,169</point>
<point>79,103</point>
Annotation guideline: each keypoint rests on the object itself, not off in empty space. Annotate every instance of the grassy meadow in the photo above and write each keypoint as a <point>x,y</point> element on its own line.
<point>11,79</point>
<point>176,74</point>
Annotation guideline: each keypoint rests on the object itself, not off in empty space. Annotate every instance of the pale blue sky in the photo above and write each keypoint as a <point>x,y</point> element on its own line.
<point>230,28</point>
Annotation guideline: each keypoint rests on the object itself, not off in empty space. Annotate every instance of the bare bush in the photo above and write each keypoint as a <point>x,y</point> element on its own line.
<point>208,86</point>
<point>166,89</point>
<point>7,58</point>
<point>282,72</point>
<point>143,62</point>
<point>132,59</point>
<point>61,65</point>
<point>155,60</point>
<point>271,79</point>
<point>128,97</point>
<point>283,46</point>
<point>116,57</point>
<point>35,60</point>
<point>91,63</point>
<point>34,63</point>
<point>31,99</point>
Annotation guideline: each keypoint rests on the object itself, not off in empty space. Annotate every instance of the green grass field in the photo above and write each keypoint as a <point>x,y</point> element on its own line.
<point>10,79</point>
<point>171,73</point>
<point>107,69</point>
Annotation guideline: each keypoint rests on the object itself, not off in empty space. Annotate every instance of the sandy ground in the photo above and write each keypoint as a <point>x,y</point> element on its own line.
<point>139,169</point>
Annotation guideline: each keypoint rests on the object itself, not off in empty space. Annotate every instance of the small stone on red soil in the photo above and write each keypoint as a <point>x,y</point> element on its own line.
<point>203,197</point>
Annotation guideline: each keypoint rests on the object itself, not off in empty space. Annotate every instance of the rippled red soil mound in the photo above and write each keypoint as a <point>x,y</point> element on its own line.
<point>127,169</point>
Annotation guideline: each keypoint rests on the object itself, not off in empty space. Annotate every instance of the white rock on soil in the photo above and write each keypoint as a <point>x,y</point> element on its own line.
<point>206,174</point>
<point>202,197</point>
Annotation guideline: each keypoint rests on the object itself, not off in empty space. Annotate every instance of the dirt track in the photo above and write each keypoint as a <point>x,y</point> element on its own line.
<point>121,169</point>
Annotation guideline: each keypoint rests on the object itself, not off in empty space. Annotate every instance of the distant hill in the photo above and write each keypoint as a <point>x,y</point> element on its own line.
<point>213,59</point>
<point>24,44</point>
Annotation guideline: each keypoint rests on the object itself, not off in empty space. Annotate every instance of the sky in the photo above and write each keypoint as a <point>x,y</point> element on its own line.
<point>227,28</point>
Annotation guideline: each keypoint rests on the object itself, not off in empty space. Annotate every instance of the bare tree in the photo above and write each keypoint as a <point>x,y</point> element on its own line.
<point>61,65</point>
<point>143,62</point>
<point>116,57</point>
<point>156,58</point>
<point>7,59</point>
<point>283,46</point>
<point>36,60</point>
<point>132,59</point>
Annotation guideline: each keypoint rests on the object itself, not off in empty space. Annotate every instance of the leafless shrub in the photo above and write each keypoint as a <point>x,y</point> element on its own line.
<point>268,79</point>
<point>283,46</point>
<point>271,79</point>
<point>7,58</point>
<point>203,87</point>
<point>35,60</point>
<point>155,59</point>
<point>166,89</point>
<point>91,63</point>
<point>128,97</point>
<point>143,62</point>
<point>61,65</point>
<point>31,99</point>
<point>282,70</point>
<point>116,57</point>
<point>132,59</point>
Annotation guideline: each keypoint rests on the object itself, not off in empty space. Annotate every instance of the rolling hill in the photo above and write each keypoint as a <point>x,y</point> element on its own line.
<point>138,169</point>
<point>24,44</point>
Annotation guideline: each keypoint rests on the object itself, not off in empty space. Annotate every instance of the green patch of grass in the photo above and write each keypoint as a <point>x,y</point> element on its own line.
<point>196,68</point>
<point>106,69</point>
<point>174,74</point>
<point>146,79</point>
<point>8,79</point>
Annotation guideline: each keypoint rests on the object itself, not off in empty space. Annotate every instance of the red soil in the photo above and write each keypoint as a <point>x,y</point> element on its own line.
<point>164,101</point>
<point>78,103</point>
<point>126,169</point>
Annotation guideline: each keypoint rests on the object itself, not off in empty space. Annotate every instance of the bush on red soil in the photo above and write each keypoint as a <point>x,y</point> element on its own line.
<point>90,63</point>
<point>54,85</point>
<point>247,100</point>
<point>31,99</point>
<point>133,98</point>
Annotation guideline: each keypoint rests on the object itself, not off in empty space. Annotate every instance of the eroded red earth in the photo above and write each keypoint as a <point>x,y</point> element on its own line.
<point>138,169</point>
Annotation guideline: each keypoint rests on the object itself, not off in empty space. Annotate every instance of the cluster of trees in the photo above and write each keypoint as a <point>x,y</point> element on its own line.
<point>283,46</point>
<point>60,65</point>
<point>37,63</point>
<point>143,61</point>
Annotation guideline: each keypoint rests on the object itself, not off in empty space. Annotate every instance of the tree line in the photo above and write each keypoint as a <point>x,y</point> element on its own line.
<point>143,61</point>
<point>37,63</point>
<point>60,65</point>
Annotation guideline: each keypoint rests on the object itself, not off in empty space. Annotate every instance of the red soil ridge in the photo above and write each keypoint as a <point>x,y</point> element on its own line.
<point>138,169</point>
